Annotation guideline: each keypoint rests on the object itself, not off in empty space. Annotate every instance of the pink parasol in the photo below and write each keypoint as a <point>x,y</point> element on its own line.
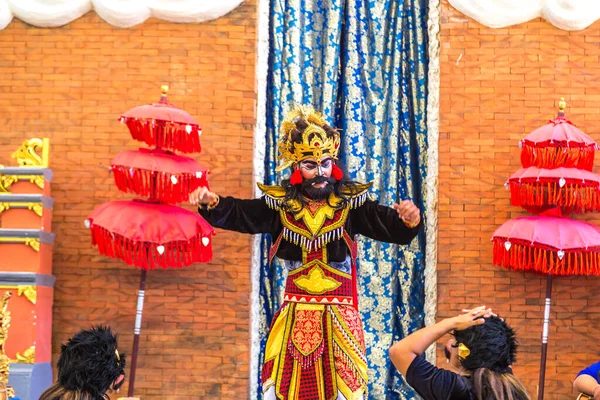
<point>559,143</point>
<point>164,125</point>
<point>572,189</point>
<point>158,174</point>
<point>557,159</point>
<point>548,244</point>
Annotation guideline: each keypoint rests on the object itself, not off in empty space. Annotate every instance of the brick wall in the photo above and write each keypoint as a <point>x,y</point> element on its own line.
<point>71,84</point>
<point>497,85</point>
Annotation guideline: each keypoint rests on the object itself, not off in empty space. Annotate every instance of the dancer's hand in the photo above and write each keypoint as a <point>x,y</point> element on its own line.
<point>408,212</point>
<point>203,196</point>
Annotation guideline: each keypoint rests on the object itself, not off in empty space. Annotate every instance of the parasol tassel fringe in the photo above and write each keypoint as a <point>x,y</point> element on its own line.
<point>523,257</point>
<point>146,255</point>
<point>555,157</point>
<point>171,135</point>
<point>573,197</point>
<point>158,186</point>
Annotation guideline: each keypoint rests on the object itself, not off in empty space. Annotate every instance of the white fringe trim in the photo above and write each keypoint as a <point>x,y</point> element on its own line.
<point>316,243</point>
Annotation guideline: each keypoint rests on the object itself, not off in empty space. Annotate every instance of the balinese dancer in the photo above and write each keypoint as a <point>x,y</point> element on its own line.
<point>315,348</point>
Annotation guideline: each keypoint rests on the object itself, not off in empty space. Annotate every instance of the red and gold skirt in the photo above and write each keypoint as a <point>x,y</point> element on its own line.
<point>316,348</point>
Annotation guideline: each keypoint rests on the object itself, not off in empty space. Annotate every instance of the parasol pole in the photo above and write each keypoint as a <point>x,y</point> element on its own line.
<point>141,292</point>
<point>545,337</point>
<point>136,331</point>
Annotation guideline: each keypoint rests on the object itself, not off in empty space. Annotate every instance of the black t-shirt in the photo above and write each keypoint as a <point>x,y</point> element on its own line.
<point>434,383</point>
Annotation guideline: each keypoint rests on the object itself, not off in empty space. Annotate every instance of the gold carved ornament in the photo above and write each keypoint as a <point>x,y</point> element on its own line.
<point>34,243</point>
<point>27,156</point>
<point>29,291</point>
<point>5,392</point>
<point>28,356</point>
<point>37,208</point>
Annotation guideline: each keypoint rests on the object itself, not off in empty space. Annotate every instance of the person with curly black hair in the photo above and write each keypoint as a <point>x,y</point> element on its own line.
<point>90,365</point>
<point>481,353</point>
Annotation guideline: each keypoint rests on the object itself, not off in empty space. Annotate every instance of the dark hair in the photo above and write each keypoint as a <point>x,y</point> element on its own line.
<point>493,349</point>
<point>343,189</point>
<point>88,366</point>
<point>492,345</point>
<point>57,392</point>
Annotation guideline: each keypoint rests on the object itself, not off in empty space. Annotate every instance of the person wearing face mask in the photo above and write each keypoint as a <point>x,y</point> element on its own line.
<point>89,367</point>
<point>315,348</point>
<point>480,354</point>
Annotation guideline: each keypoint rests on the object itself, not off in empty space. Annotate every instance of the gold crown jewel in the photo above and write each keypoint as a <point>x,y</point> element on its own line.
<point>315,141</point>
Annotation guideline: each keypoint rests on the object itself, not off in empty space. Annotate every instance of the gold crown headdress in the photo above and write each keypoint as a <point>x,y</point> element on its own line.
<point>315,141</point>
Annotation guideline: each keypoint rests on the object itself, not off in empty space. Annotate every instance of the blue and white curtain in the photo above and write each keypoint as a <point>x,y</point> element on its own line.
<point>364,63</point>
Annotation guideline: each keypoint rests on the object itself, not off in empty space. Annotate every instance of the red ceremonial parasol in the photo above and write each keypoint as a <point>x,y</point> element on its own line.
<point>164,125</point>
<point>557,159</point>
<point>147,233</point>
<point>559,143</point>
<point>158,174</point>
<point>572,189</point>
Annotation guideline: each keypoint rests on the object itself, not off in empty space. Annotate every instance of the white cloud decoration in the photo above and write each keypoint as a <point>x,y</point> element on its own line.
<point>570,15</point>
<point>120,13</point>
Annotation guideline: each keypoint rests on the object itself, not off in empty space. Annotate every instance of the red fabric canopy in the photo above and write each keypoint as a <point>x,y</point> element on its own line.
<point>548,244</point>
<point>164,125</point>
<point>149,234</point>
<point>558,144</point>
<point>158,174</point>
<point>537,189</point>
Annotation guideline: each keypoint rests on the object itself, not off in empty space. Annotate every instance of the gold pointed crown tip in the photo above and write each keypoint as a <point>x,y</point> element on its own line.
<point>164,89</point>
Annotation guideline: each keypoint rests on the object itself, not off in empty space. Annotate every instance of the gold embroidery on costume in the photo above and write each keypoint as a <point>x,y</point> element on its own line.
<point>316,282</point>
<point>315,226</point>
<point>314,220</point>
<point>307,332</point>
<point>316,341</point>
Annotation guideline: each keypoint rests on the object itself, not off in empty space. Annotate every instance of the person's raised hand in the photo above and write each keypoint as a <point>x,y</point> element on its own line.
<point>475,316</point>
